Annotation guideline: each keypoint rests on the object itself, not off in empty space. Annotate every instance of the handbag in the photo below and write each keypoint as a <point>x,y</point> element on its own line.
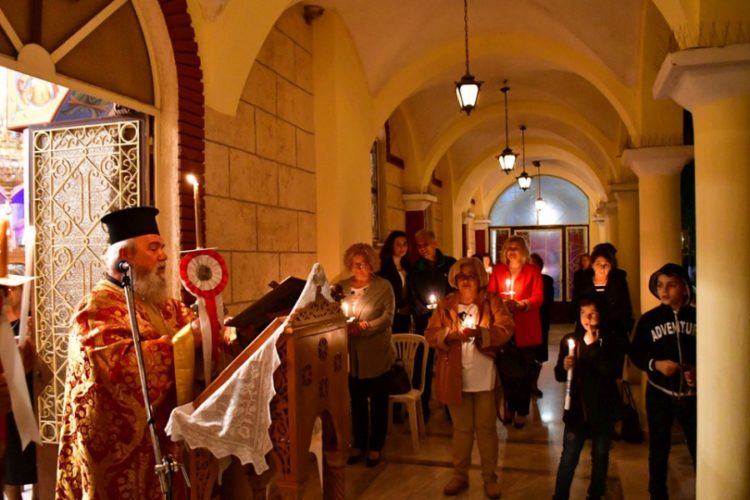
<point>398,379</point>
<point>511,362</point>
<point>630,430</point>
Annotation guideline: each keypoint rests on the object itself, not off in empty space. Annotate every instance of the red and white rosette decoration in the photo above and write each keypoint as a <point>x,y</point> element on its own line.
<point>204,274</point>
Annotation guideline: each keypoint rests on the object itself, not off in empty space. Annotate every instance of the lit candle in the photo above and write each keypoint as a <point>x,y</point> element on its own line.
<point>433,302</point>
<point>469,322</point>
<point>345,308</point>
<point>571,352</point>
<point>509,292</point>
<point>192,179</point>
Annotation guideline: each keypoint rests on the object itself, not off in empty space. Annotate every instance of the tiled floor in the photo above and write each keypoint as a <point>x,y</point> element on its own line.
<point>527,465</point>
<point>528,458</point>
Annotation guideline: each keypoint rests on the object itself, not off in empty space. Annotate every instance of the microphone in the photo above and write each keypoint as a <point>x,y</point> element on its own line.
<point>123,266</point>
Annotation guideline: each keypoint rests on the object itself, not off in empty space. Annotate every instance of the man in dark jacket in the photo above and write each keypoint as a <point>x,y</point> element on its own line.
<point>664,346</point>
<point>428,283</point>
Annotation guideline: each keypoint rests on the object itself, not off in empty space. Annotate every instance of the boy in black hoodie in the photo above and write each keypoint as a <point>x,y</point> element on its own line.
<point>664,347</point>
<point>596,362</point>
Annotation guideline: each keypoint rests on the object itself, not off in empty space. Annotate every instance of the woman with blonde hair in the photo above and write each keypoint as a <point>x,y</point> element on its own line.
<point>519,284</point>
<point>466,329</point>
<point>368,301</point>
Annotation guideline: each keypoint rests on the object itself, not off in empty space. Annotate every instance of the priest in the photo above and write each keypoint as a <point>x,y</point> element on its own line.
<point>105,444</point>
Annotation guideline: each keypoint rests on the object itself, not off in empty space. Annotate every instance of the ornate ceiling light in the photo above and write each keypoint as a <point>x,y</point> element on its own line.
<point>467,89</point>
<point>524,180</point>
<point>507,158</point>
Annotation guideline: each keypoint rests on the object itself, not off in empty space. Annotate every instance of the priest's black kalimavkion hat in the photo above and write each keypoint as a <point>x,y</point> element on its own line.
<point>130,222</point>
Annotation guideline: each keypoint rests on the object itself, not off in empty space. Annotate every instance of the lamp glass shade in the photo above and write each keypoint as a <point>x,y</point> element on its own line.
<point>467,92</point>
<point>507,160</point>
<point>540,203</point>
<point>524,181</point>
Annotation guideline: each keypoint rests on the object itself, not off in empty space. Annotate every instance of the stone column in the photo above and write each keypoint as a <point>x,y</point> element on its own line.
<point>714,84</point>
<point>468,243</point>
<point>416,205</point>
<point>659,225</point>
<point>481,236</point>
<point>626,237</point>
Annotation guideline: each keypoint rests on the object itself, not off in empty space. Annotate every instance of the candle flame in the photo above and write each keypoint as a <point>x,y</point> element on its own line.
<point>469,322</point>
<point>433,299</point>
<point>345,307</point>
<point>571,344</point>
<point>192,179</point>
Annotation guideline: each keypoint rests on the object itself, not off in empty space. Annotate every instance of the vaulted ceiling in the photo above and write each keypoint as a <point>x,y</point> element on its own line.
<point>576,69</point>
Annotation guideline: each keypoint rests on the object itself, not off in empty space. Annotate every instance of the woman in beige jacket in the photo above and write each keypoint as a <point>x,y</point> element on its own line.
<point>466,329</point>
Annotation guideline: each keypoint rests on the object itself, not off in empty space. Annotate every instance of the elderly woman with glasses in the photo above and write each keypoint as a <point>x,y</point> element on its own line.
<point>368,302</point>
<point>466,329</point>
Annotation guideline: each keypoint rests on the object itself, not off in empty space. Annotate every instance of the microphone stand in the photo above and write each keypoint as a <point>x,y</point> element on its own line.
<point>165,464</point>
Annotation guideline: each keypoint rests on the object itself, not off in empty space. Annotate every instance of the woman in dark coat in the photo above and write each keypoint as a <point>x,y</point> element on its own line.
<point>394,267</point>
<point>607,286</point>
<point>542,351</point>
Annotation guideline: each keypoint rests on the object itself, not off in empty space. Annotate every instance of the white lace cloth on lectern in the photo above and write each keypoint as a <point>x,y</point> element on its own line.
<point>235,419</point>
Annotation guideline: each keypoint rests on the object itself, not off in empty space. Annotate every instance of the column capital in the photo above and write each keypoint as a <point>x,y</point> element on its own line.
<point>418,201</point>
<point>481,224</point>
<point>622,187</point>
<point>698,76</point>
<point>666,160</point>
<point>468,216</point>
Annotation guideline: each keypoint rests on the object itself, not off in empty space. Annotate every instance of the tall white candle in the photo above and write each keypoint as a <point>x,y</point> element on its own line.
<point>192,179</point>
<point>571,352</point>
<point>29,246</point>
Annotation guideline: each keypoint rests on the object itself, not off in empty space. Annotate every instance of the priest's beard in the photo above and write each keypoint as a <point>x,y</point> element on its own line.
<point>149,285</point>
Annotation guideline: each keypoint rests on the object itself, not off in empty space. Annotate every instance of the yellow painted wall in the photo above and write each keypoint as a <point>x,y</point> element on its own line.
<point>343,138</point>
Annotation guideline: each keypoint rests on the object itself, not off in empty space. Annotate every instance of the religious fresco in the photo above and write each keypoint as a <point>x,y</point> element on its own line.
<point>31,100</point>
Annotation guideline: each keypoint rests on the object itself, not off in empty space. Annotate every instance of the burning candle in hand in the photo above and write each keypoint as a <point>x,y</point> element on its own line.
<point>433,302</point>
<point>509,292</point>
<point>571,352</point>
<point>468,322</point>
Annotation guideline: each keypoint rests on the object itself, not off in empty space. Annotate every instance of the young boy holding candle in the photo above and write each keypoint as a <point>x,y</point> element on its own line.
<point>594,357</point>
<point>664,346</point>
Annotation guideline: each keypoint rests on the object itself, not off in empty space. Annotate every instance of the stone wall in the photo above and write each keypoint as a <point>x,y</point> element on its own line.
<point>260,168</point>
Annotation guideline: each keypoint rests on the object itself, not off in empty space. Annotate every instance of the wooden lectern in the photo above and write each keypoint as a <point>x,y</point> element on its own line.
<point>311,382</point>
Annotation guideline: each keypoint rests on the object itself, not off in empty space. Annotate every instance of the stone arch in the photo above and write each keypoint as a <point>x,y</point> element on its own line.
<point>564,168</point>
<point>516,45</point>
<point>460,127</point>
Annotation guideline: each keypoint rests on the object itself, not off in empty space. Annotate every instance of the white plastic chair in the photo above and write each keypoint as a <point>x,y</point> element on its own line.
<point>406,345</point>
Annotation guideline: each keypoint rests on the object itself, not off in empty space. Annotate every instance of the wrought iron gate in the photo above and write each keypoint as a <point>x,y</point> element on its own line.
<point>78,173</point>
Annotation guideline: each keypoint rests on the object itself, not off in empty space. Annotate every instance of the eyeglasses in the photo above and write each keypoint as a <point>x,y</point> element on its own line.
<point>360,265</point>
<point>467,276</point>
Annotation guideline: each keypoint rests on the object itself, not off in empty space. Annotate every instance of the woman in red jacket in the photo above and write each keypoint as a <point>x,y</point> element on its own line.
<point>519,283</point>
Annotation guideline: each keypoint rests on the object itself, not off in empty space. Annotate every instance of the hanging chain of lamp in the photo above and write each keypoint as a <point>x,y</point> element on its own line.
<point>539,203</point>
<point>467,89</point>
<point>507,158</point>
<point>524,180</point>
